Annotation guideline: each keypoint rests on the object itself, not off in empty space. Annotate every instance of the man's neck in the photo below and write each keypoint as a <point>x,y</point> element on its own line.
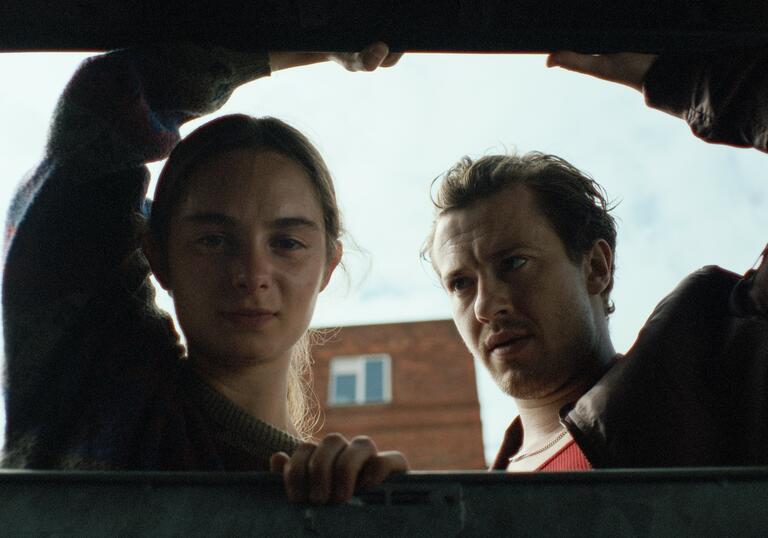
<point>260,389</point>
<point>540,417</point>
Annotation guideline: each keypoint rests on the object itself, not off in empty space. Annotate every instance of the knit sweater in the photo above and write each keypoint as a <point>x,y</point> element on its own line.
<point>94,371</point>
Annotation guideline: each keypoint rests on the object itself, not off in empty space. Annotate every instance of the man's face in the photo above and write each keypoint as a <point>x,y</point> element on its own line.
<point>520,303</point>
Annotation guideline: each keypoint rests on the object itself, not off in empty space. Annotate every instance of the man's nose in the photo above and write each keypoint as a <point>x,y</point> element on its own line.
<point>252,270</point>
<point>493,300</point>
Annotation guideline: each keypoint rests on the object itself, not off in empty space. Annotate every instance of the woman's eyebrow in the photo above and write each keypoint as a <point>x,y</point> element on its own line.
<point>295,222</point>
<point>209,218</point>
<point>223,219</point>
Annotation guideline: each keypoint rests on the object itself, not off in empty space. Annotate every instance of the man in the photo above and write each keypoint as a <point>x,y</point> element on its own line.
<point>524,246</point>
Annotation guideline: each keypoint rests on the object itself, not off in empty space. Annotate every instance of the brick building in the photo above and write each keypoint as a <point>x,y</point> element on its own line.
<point>410,386</point>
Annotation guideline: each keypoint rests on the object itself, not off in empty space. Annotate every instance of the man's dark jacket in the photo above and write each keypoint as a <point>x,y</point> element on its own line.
<point>692,389</point>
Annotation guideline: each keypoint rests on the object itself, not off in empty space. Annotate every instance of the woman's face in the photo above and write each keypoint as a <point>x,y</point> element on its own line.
<point>246,257</point>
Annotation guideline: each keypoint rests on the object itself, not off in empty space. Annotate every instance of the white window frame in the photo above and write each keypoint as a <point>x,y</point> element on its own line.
<point>355,364</point>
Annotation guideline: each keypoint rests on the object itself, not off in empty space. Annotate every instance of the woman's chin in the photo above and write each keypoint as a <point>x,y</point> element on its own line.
<point>238,352</point>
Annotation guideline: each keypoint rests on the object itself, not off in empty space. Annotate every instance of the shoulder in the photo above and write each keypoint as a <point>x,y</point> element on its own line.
<point>629,414</point>
<point>701,297</point>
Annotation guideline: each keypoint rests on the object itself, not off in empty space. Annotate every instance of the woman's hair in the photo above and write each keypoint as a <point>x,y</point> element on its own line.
<point>239,131</point>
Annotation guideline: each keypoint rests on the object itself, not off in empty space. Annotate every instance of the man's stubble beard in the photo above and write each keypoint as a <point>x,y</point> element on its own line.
<point>539,377</point>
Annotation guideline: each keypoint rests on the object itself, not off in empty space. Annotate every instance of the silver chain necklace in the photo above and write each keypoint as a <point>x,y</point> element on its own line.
<point>549,445</point>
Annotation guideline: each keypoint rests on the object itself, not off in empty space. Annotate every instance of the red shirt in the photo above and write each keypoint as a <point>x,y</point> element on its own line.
<point>568,458</point>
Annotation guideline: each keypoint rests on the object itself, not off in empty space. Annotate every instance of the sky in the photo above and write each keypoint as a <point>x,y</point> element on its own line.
<point>682,203</point>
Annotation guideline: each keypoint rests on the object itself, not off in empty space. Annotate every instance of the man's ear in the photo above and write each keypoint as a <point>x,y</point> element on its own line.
<point>598,264</point>
<point>158,261</point>
<point>332,264</point>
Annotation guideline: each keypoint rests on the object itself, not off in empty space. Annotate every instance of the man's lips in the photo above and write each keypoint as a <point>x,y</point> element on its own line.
<point>506,343</point>
<point>511,347</point>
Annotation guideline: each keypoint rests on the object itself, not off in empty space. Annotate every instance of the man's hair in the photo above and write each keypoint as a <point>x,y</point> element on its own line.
<point>574,203</point>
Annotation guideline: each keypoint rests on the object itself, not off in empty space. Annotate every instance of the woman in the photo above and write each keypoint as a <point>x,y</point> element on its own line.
<point>244,233</point>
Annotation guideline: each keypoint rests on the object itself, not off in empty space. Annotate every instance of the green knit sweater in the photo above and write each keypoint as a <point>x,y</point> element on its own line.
<point>244,442</point>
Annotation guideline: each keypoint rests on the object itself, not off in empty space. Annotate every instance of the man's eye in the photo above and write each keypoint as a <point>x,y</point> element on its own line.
<point>459,283</point>
<point>513,262</point>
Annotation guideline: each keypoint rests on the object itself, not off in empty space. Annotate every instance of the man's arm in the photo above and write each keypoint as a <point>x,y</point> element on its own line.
<point>627,68</point>
<point>721,95</point>
<point>759,290</point>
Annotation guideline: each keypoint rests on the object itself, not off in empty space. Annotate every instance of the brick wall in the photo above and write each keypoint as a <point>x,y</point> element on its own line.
<point>434,415</point>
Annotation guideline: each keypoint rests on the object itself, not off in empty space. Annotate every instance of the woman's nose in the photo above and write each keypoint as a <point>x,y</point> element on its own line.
<point>252,271</point>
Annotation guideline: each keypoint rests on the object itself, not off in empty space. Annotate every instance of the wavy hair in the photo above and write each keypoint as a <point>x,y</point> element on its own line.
<point>574,203</point>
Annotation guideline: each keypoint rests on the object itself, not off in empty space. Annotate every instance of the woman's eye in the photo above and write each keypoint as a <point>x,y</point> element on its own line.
<point>213,241</point>
<point>287,243</point>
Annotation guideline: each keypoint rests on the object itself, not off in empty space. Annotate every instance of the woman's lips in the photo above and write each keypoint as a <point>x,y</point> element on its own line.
<point>249,319</point>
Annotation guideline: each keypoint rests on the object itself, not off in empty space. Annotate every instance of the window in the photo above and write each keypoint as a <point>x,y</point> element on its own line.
<point>360,380</point>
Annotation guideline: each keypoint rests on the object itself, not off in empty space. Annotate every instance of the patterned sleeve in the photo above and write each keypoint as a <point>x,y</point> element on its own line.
<point>76,294</point>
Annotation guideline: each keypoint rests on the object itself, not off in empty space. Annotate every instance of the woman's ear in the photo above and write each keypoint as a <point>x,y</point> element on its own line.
<point>598,264</point>
<point>157,259</point>
<point>332,264</point>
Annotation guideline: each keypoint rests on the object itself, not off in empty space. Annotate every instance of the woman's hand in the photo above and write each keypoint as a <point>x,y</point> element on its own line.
<point>370,58</point>
<point>628,68</point>
<point>331,471</point>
